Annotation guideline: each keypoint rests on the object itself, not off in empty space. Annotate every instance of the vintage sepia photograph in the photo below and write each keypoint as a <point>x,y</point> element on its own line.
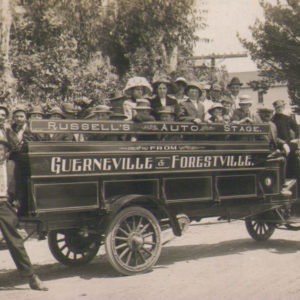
<point>149,149</point>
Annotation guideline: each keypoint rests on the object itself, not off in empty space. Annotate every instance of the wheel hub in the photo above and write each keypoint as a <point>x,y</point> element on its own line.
<point>135,241</point>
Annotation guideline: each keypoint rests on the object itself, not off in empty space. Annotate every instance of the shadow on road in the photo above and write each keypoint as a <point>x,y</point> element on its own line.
<point>174,254</point>
<point>100,267</point>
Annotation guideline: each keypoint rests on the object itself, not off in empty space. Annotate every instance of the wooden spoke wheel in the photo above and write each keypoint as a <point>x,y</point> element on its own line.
<point>73,247</point>
<point>258,229</point>
<point>133,241</point>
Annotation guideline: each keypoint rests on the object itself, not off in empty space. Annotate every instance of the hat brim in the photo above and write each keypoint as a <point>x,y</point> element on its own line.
<point>190,86</point>
<point>56,113</point>
<point>143,108</point>
<point>128,90</point>
<point>265,110</point>
<point>212,109</point>
<point>5,108</point>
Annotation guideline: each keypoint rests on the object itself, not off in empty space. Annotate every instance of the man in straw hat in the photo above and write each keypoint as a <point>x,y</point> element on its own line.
<point>136,88</point>
<point>279,147</point>
<point>56,113</point>
<point>8,220</point>
<point>100,112</point>
<point>243,114</point>
<point>35,113</point>
<point>143,114</point>
<point>143,111</point>
<point>234,88</point>
<point>276,142</point>
<point>167,114</point>
<point>287,127</point>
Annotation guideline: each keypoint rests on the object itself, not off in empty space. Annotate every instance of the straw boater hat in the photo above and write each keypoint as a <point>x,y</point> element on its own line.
<point>4,107</point>
<point>262,108</point>
<point>162,79</point>
<point>181,79</point>
<point>138,81</point>
<point>216,105</point>
<point>69,109</point>
<point>166,110</point>
<point>278,103</point>
<point>226,99</point>
<point>245,99</point>
<point>143,104</point>
<point>117,99</point>
<point>194,84</point>
<point>36,109</point>
<point>235,81</point>
<point>20,107</point>
<point>216,87</point>
<point>102,108</point>
<point>56,110</point>
<point>205,85</point>
<point>118,114</point>
<point>97,109</point>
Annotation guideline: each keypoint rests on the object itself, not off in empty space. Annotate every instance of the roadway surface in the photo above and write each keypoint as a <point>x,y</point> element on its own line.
<point>218,261</point>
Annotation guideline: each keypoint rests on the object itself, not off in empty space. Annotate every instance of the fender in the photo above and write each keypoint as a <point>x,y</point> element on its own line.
<point>118,202</point>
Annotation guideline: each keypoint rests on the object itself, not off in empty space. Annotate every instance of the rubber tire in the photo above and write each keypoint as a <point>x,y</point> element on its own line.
<point>69,233</point>
<point>260,237</point>
<point>110,240</point>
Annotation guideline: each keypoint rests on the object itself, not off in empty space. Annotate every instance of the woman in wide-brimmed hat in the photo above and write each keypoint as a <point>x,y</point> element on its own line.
<point>192,109</point>
<point>136,88</point>
<point>216,112</point>
<point>180,84</point>
<point>162,86</point>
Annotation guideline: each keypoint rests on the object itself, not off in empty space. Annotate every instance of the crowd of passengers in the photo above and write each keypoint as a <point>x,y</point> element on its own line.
<point>195,102</point>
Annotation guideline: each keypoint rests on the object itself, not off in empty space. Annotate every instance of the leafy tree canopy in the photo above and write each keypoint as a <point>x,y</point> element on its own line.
<point>65,49</point>
<point>276,45</point>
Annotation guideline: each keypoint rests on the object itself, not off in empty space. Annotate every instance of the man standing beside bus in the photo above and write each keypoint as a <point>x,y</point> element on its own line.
<point>9,220</point>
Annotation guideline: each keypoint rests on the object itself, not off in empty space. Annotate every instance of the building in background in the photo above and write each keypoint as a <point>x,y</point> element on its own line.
<point>275,92</point>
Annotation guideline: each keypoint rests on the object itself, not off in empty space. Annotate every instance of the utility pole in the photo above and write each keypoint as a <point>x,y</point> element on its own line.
<point>213,57</point>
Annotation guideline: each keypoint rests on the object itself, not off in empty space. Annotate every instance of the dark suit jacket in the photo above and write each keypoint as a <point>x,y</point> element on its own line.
<point>284,124</point>
<point>156,105</point>
<point>188,112</point>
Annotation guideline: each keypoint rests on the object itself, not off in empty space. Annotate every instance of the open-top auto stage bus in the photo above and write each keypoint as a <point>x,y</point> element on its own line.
<point>123,193</point>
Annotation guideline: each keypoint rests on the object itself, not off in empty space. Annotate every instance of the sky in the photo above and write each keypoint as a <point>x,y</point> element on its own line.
<point>225,18</point>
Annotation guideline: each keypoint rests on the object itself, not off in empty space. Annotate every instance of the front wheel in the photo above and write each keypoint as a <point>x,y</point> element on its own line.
<point>133,241</point>
<point>73,247</point>
<point>258,229</point>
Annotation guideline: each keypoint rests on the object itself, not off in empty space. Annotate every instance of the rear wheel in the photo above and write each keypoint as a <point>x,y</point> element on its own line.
<point>73,247</point>
<point>258,229</point>
<point>133,242</point>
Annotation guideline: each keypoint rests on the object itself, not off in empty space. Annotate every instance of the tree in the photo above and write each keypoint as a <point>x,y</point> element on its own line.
<point>65,49</point>
<point>276,45</point>
<point>159,30</point>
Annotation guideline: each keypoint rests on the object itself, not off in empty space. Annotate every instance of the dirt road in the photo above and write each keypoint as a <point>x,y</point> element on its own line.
<point>208,262</point>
